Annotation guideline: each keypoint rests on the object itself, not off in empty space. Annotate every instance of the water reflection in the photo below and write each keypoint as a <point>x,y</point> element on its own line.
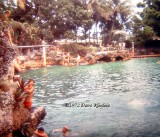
<point>131,89</point>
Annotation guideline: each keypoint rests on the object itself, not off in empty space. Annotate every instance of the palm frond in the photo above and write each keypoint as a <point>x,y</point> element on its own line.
<point>20,94</point>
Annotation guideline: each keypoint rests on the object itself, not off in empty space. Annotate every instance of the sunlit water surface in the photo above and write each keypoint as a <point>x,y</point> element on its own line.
<point>129,91</point>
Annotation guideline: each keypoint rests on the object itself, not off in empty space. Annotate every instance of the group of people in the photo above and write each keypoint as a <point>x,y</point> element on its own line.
<point>29,89</point>
<point>67,58</point>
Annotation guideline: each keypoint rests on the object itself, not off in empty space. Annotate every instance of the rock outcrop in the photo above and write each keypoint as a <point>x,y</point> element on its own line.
<point>14,116</point>
<point>27,128</point>
<point>111,57</point>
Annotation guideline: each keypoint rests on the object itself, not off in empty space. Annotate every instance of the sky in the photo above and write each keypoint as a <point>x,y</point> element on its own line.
<point>135,2</point>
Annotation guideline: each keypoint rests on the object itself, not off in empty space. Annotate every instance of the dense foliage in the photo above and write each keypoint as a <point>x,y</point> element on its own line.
<point>151,15</point>
<point>74,19</point>
<point>58,19</point>
<point>147,26</point>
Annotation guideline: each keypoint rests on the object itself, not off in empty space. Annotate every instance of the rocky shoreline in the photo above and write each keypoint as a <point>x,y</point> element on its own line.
<point>88,59</point>
<point>15,118</point>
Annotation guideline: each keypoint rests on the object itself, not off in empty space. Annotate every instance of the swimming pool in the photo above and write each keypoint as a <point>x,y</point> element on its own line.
<point>110,99</point>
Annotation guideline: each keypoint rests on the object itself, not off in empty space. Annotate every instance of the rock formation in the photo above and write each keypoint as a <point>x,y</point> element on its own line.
<point>13,115</point>
<point>118,56</point>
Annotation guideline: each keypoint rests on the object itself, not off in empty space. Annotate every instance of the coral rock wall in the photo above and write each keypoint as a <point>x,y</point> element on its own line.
<point>12,114</point>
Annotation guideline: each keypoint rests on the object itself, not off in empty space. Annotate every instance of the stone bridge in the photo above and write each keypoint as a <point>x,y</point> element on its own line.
<point>109,56</point>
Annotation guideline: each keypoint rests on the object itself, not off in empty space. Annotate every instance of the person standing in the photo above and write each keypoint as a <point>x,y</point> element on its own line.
<point>78,59</point>
<point>29,88</point>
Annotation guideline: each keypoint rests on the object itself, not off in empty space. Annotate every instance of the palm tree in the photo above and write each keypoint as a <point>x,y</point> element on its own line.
<point>112,12</point>
<point>98,11</point>
<point>121,12</point>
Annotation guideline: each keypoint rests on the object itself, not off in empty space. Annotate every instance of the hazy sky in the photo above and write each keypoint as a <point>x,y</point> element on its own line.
<point>134,2</point>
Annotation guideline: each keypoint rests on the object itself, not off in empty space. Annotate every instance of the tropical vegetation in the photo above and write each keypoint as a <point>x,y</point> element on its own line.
<point>147,26</point>
<point>33,20</point>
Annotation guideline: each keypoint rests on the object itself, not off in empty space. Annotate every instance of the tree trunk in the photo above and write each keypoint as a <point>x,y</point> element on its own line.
<point>89,38</point>
<point>97,33</point>
<point>85,35</point>
<point>112,28</point>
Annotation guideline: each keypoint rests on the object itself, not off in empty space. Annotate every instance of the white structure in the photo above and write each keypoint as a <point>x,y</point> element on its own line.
<point>40,46</point>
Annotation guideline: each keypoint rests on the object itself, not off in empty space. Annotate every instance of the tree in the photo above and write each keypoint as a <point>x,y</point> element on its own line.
<point>143,35</point>
<point>58,17</point>
<point>28,15</point>
<point>141,32</point>
<point>54,17</point>
<point>61,16</point>
<point>100,11</point>
<point>151,14</point>
<point>112,15</point>
<point>147,26</point>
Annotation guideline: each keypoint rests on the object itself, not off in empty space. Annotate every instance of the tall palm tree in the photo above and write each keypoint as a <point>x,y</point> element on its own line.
<point>121,12</point>
<point>99,11</point>
<point>110,11</point>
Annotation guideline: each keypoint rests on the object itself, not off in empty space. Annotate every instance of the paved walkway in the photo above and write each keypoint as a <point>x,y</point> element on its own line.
<point>146,56</point>
<point>107,52</point>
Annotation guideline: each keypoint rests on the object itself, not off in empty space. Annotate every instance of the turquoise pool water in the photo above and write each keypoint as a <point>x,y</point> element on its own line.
<point>102,100</point>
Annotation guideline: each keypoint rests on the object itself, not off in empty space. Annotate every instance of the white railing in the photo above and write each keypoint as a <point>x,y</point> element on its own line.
<point>37,46</point>
<point>33,46</point>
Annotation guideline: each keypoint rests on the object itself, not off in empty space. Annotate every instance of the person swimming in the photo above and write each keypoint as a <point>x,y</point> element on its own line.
<point>40,132</point>
<point>65,131</point>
